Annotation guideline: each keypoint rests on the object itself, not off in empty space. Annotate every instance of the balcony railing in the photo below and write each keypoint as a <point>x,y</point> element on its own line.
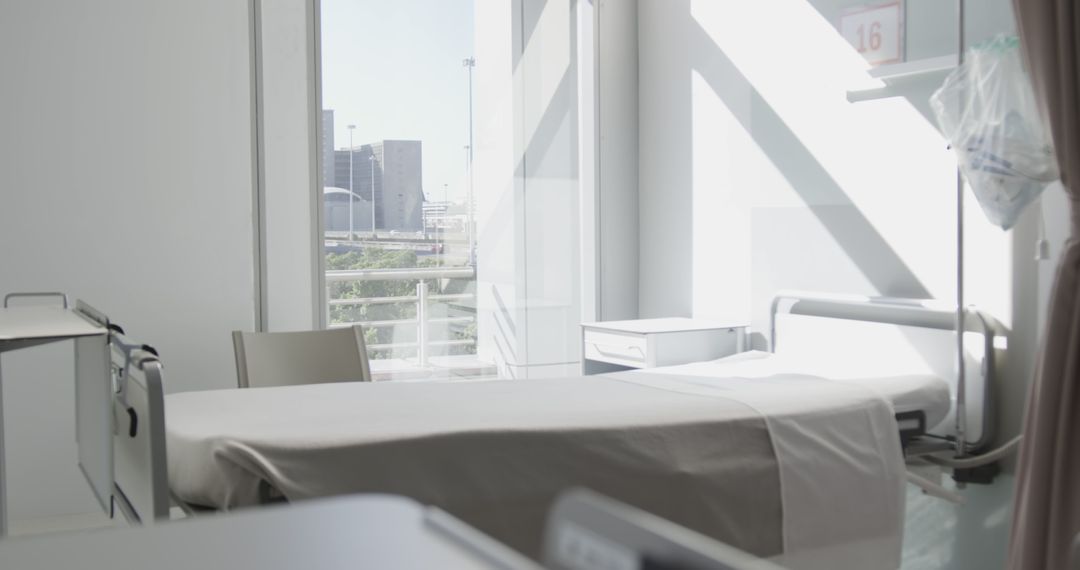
<point>422,300</point>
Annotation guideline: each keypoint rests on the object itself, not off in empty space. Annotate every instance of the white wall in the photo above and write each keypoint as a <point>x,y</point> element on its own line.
<point>126,169</point>
<point>664,255</point>
<point>751,158</point>
<point>617,107</point>
<point>756,175</point>
<point>289,165</point>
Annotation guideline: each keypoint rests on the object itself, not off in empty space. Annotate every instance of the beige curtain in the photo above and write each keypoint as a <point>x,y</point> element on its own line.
<point>1046,510</point>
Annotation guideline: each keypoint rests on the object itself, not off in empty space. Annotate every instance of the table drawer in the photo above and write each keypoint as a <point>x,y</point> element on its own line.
<point>624,349</point>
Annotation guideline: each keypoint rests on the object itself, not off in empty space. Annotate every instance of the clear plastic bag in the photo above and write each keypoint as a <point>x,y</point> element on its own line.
<point>987,111</point>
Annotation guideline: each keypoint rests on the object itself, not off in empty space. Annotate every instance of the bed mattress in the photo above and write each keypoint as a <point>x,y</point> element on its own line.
<point>906,386</point>
<point>791,466</point>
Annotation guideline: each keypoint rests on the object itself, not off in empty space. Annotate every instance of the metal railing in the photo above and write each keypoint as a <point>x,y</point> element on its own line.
<point>421,299</point>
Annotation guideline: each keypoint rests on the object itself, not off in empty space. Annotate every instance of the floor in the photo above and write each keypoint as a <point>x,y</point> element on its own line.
<point>73,523</point>
<point>63,523</point>
<point>942,536</point>
<point>937,535</point>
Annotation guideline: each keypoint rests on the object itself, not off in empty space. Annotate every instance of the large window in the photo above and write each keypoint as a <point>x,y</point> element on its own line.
<point>450,184</point>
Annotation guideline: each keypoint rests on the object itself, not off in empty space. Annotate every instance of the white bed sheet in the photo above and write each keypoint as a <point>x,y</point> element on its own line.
<point>834,445</point>
<point>907,388</point>
<point>822,460</point>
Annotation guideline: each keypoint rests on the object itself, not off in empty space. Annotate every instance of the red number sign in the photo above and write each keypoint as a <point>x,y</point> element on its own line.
<point>876,31</point>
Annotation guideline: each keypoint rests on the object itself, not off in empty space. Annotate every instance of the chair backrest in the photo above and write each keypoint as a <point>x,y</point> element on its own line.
<point>306,357</point>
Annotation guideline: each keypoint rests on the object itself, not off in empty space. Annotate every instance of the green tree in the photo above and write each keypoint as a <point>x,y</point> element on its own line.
<point>378,258</point>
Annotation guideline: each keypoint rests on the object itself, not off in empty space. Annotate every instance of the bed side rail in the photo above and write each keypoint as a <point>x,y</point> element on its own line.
<point>905,312</point>
<point>141,484</point>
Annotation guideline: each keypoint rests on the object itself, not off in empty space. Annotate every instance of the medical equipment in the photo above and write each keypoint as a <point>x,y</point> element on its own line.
<point>472,447</point>
<point>704,451</point>
<point>34,325</point>
<point>141,487</point>
<point>586,531</point>
<point>922,329</point>
<point>918,334</point>
<point>119,403</point>
<point>371,531</point>
<point>987,111</point>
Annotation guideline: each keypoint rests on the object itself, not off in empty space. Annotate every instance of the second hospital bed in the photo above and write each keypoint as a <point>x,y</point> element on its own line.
<point>793,455</point>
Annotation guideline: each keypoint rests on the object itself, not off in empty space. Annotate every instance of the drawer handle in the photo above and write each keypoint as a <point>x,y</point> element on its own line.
<point>627,347</point>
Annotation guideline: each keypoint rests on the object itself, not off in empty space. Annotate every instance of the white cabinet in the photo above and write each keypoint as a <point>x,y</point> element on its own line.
<point>647,343</point>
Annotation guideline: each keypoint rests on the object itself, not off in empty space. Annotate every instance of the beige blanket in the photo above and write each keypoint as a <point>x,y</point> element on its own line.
<point>496,453</point>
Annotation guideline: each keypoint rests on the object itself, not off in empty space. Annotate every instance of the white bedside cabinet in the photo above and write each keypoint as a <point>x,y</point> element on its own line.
<point>646,343</point>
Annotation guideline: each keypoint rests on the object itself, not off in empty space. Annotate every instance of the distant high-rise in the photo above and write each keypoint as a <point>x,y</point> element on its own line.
<point>397,183</point>
<point>328,147</point>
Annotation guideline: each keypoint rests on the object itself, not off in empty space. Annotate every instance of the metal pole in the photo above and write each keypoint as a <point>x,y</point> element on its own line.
<point>422,322</point>
<point>468,218</point>
<point>446,212</point>
<point>351,128</point>
<point>470,63</point>
<point>372,159</point>
<point>327,303</point>
<point>961,377</point>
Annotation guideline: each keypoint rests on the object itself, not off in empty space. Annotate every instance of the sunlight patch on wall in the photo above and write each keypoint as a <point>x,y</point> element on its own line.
<point>726,162</point>
<point>545,63</point>
<point>988,263</point>
<point>883,156</point>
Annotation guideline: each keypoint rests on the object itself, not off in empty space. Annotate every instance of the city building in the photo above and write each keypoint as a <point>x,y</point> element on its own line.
<point>446,216</point>
<point>393,169</point>
<point>328,147</point>
<point>336,211</point>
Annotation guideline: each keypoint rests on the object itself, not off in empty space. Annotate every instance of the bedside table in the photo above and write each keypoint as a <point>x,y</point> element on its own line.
<point>646,343</point>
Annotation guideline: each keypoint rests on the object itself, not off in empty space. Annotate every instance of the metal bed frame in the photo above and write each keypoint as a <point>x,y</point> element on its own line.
<point>144,371</point>
<point>914,313</point>
<point>141,478</point>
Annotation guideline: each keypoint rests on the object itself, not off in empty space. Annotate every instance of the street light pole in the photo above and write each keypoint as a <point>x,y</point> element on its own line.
<point>470,63</point>
<point>351,129</point>
<point>372,159</point>
<point>442,231</point>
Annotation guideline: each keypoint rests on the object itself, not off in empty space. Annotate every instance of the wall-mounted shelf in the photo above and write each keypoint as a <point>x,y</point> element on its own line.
<point>899,72</point>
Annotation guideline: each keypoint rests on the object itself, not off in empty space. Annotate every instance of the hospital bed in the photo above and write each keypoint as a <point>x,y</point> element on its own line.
<point>796,454</point>
<point>341,533</point>
<point>585,531</point>
<point>119,401</point>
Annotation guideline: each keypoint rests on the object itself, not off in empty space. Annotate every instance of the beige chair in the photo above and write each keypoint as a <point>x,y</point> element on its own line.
<point>306,357</point>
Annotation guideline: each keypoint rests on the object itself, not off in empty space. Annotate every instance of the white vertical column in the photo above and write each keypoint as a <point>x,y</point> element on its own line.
<point>588,173</point>
<point>288,158</point>
<point>498,175</point>
<point>614,53</point>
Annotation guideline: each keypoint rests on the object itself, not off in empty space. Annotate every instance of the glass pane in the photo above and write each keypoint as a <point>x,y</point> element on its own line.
<point>450,184</point>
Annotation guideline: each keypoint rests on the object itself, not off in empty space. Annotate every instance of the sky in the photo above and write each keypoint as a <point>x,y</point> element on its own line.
<point>394,69</point>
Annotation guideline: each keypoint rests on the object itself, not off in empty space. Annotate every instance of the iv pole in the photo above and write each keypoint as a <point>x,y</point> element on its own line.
<point>961,378</point>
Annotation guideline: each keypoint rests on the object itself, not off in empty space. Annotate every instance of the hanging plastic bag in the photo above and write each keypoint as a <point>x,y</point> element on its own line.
<point>987,111</point>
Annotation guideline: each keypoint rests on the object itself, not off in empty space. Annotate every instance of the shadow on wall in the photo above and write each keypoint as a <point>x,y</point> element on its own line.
<point>939,535</point>
<point>851,230</point>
